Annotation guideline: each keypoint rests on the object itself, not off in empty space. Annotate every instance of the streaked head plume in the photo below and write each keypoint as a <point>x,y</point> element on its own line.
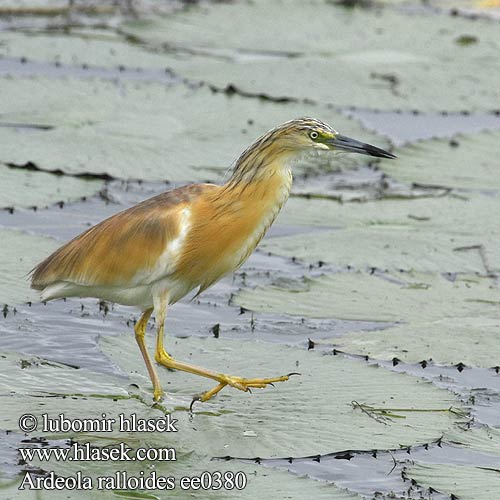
<point>292,137</point>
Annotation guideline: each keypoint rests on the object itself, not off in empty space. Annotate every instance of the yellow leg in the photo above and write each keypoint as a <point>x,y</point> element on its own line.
<point>164,359</point>
<point>140,331</point>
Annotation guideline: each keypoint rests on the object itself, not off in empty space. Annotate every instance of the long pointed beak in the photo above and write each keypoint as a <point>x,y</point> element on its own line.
<point>343,143</point>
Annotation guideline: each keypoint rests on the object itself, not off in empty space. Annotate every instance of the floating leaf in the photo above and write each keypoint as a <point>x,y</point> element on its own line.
<point>485,439</point>
<point>460,215</point>
<point>427,70</point>
<point>220,426</point>
<point>327,420</point>
<point>20,253</point>
<point>235,423</point>
<point>463,481</point>
<point>471,341</point>
<point>144,131</point>
<point>448,321</point>
<point>98,48</point>
<point>24,188</point>
<point>404,297</point>
<point>37,377</point>
<point>466,162</point>
<point>445,234</point>
<point>388,248</point>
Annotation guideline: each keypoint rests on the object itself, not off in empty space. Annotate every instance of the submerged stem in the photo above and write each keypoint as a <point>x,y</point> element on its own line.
<point>390,412</point>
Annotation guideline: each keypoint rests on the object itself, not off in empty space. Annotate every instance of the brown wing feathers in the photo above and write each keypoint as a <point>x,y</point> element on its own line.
<point>113,251</point>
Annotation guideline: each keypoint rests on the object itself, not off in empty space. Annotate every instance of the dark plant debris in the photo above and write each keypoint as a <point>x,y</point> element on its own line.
<point>32,167</point>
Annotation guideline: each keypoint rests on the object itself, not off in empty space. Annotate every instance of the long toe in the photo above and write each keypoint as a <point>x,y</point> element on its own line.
<point>240,383</point>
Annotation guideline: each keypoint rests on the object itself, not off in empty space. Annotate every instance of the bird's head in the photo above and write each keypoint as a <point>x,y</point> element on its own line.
<point>308,133</point>
<point>285,142</point>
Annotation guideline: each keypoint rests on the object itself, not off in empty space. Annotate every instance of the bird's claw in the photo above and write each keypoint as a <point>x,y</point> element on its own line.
<point>195,399</point>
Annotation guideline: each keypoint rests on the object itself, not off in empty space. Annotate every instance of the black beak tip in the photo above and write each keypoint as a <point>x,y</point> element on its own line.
<point>389,155</point>
<point>379,153</point>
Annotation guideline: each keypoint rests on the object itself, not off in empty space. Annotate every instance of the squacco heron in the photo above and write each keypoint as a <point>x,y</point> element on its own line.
<point>154,253</point>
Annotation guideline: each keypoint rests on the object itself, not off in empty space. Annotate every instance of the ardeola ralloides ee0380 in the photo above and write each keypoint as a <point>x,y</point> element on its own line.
<point>154,253</point>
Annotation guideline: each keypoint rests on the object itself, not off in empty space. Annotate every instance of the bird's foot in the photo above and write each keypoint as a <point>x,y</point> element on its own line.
<point>243,384</point>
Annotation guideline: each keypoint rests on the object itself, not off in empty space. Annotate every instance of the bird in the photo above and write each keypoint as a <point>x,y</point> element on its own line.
<point>186,239</point>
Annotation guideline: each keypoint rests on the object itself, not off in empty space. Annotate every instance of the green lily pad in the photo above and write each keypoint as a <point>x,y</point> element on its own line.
<point>427,70</point>
<point>461,215</point>
<point>403,297</point>
<point>485,439</point>
<point>440,234</point>
<point>24,188</point>
<point>306,415</point>
<point>447,321</point>
<point>295,418</point>
<point>463,481</point>
<point>389,248</point>
<point>472,341</point>
<point>467,162</point>
<point>90,47</point>
<point>20,253</point>
<point>46,387</point>
<point>36,377</point>
<point>143,130</point>
<point>445,234</point>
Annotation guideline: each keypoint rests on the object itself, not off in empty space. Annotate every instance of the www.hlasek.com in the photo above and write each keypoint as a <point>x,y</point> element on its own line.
<point>121,452</point>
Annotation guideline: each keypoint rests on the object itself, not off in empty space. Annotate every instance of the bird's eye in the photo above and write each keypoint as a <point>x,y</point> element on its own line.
<point>313,135</point>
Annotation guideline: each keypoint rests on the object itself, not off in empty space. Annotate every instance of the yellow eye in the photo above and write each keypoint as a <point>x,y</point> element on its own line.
<point>313,135</point>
